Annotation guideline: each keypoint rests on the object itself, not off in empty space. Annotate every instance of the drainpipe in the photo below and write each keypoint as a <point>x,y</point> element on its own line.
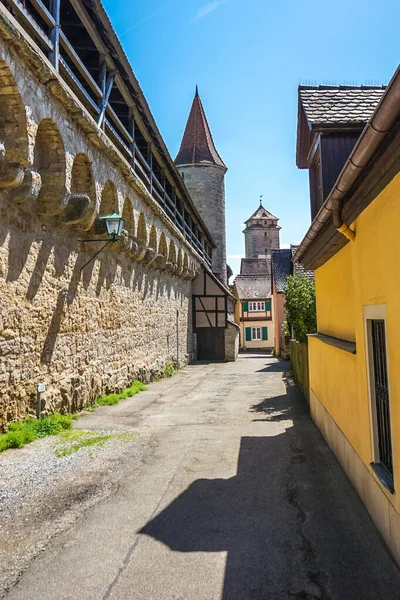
<point>340,225</point>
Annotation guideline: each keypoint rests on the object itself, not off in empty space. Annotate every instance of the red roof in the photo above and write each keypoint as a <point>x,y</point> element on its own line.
<point>197,145</point>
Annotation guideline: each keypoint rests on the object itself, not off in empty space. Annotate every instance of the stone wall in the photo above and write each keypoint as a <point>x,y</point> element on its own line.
<point>81,333</point>
<point>206,184</point>
<point>232,342</point>
<point>257,243</point>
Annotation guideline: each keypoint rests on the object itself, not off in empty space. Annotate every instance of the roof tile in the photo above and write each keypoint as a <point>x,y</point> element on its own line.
<point>197,145</point>
<point>339,104</point>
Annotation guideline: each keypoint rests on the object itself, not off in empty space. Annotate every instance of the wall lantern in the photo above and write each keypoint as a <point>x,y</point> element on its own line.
<point>114,224</point>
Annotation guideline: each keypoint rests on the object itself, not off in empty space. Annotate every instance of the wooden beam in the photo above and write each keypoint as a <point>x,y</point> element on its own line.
<point>55,33</point>
<point>43,12</point>
<point>119,123</point>
<point>92,31</point>
<point>102,74</point>
<point>66,45</point>
<point>104,101</point>
<point>78,85</point>
<point>28,19</point>
<point>132,131</point>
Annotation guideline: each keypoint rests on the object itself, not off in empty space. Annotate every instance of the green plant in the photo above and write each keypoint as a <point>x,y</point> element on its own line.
<point>285,329</point>
<point>273,352</point>
<point>300,306</point>
<point>170,370</point>
<point>23,432</point>
<point>86,439</point>
<point>111,399</point>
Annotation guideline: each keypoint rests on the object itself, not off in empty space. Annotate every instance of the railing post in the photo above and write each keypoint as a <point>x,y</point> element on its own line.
<point>55,32</point>
<point>150,163</point>
<point>132,132</point>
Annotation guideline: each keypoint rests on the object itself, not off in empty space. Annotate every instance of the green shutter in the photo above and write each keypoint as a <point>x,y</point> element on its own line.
<point>265,333</point>
<point>268,307</point>
<point>248,334</point>
<point>245,306</point>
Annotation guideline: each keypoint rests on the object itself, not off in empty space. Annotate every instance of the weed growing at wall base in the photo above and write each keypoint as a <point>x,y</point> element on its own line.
<point>111,399</point>
<point>20,434</point>
<point>169,371</point>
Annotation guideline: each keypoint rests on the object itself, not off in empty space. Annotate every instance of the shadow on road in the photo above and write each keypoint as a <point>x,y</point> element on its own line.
<point>289,521</point>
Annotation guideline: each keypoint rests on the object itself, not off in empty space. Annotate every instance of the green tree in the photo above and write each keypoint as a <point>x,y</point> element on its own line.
<point>300,306</point>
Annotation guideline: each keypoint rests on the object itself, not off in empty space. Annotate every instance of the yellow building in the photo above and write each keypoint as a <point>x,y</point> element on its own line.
<point>353,246</point>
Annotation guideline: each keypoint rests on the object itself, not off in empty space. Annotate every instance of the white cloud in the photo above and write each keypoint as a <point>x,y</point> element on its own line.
<point>208,8</point>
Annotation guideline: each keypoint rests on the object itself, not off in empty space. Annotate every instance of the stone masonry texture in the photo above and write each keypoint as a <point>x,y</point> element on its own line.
<point>260,240</point>
<point>206,184</point>
<point>125,315</point>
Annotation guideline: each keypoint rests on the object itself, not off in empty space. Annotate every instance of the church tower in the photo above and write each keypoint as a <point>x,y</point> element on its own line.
<point>203,171</point>
<point>261,234</point>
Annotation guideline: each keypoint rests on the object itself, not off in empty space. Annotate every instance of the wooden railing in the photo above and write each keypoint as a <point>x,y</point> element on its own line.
<point>42,21</point>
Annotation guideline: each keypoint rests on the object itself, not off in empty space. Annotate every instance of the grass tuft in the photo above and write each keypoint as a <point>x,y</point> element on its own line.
<point>111,399</point>
<point>21,433</point>
<point>169,371</point>
<point>86,439</point>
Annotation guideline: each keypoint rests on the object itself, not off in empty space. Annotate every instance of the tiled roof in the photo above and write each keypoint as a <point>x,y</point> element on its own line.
<point>298,267</point>
<point>281,267</point>
<point>197,145</point>
<point>251,287</point>
<point>342,104</point>
<point>262,213</point>
<point>255,266</point>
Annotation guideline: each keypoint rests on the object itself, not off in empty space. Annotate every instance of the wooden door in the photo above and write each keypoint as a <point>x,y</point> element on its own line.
<point>211,343</point>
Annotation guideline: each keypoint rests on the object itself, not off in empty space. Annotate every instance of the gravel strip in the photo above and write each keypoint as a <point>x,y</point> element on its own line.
<point>41,495</point>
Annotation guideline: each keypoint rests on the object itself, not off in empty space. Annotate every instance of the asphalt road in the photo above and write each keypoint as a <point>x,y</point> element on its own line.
<point>234,495</point>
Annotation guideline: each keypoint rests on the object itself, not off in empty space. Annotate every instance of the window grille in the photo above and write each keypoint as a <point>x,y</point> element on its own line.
<point>381,389</point>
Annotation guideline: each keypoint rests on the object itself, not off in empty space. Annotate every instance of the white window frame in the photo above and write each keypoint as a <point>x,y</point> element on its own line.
<point>255,334</point>
<point>377,311</point>
<point>257,306</point>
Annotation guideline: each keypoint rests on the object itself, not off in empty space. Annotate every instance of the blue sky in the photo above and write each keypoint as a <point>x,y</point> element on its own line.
<point>248,56</point>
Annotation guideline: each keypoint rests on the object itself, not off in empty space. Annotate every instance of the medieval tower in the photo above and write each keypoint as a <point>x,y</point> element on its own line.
<point>261,234</point>
<point>203,171</point>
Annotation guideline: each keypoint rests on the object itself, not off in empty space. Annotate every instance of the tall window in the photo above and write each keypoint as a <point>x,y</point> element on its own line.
<point>256,333</point>
<point>380,401</point>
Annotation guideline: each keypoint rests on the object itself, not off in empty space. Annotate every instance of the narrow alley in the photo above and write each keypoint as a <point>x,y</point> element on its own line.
<point>226,491</point>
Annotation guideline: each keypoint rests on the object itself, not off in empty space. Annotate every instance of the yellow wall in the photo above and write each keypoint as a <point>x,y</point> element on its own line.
<point>364,272</point>
<point>269,343</point>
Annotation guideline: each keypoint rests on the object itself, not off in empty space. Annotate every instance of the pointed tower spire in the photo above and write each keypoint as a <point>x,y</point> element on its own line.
<point>197,145</point>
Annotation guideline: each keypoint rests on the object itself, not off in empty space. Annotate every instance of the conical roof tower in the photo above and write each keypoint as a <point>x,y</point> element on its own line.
<point>203,171</point>
<point>197,146</point>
